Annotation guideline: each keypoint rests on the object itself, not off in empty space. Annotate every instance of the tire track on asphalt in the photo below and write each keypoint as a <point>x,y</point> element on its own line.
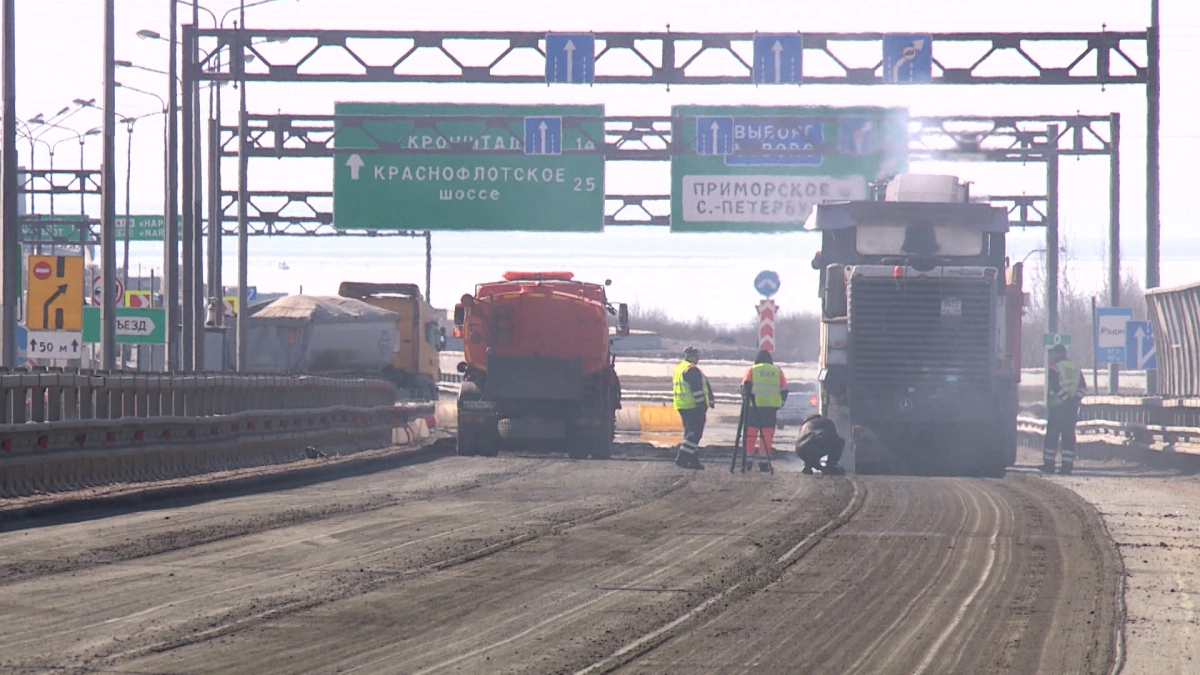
<point>649,641</point>
<point>378,582</point>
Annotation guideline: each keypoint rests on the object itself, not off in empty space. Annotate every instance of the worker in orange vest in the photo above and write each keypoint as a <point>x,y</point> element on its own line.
<point>766,386</point>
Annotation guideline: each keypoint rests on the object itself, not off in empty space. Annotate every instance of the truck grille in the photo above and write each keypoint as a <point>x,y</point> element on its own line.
<point>920,331</point>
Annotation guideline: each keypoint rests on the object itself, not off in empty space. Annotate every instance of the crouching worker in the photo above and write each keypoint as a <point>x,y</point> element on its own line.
<point>819,438</point>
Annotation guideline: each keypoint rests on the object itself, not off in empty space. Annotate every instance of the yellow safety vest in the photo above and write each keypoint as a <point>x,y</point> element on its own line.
<point>765,383</point>
<point>1068,381</point>
<point>684,398</point>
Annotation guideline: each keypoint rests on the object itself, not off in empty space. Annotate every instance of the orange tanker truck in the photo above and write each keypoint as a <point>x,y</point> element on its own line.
<point>538,368</point>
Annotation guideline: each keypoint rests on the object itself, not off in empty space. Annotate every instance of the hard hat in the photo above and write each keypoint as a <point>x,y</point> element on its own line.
<point>1058,349</point>
<point>691,352</point>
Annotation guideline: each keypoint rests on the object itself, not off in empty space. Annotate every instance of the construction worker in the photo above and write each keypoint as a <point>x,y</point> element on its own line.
<point>819,438</point>
<point>1065,387</point>
<point>765,386</point>
<point>693,397</point>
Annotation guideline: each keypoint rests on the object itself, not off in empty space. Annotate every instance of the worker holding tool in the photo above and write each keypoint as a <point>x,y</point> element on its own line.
<point>819,438</point>
<point>693,397</point>
<point>764,389</point>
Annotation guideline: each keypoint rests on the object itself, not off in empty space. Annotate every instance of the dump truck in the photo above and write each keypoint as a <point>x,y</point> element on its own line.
<point>414,366</point>
<point>538,368</point>
<point>920,329</point>
<point>320,335</point>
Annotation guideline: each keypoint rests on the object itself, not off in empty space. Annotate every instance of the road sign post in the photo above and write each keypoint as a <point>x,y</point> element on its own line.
<point>749,169</point>
<point>555,184</point>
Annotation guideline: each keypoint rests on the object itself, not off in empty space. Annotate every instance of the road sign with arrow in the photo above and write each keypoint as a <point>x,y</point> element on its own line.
<point>55,296</point>
<point>53,344</point>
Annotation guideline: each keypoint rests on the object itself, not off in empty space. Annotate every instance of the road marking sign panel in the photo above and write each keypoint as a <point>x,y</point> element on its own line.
<point>778,59</point>
<point>543,135</point>
<point>907,58</point>
<point>570,58</point>
<point>1140,351</point>
<point>55,293</point>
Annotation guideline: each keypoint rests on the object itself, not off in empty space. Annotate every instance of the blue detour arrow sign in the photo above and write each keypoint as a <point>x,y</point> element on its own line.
<point>1140,352</point>
<point>766,283</point>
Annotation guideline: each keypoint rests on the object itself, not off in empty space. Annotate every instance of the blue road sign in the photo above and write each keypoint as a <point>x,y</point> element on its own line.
<point>251,293</point>
<point>907,58</point>
<point>777,59</point>
<point>1110,333</point>
<point>856,136</point>
<point>543,135</point>
<point>714,135</point>
<point>791,135</point>
<point>766,283</point>
<point>570,58</point>
<point>1139,346</point>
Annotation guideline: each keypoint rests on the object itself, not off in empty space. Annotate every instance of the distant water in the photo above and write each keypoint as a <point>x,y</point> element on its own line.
<point>688,275</point>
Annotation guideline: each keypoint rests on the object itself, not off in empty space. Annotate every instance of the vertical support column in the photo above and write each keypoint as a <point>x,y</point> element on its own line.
<point>187,344</point>
<point>214,218</point>
<point>1152,175</point>
<point>197,201</point>
<point>1052,229</point>
<point>1114,232</point>
<point>243,230</point>
<point>10,232</point>
<point>108,219</point>
<point>170,277</point>
<point>428,264</point>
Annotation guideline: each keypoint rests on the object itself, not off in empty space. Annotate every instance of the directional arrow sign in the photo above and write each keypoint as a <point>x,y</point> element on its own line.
<point>766,283</point>
<point>355,163</point>
<point>570,58</point>
<point>777,59</point>
<point>907,58</point>
<point>543,135</point>
<point>1140,352</point>
<point>714,136</point>
<point>134,326</point>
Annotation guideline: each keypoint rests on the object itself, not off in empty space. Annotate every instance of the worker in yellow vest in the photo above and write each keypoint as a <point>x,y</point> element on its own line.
<point>693,397</point>
<point>766,386</point>
<point>1065,387</point>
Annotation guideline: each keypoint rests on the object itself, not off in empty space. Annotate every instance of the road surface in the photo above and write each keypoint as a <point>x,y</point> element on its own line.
<point>548,565</point>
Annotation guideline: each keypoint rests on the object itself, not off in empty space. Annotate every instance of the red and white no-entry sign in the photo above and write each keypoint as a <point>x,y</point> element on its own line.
<point>42,270</point>
<point>766,324</point>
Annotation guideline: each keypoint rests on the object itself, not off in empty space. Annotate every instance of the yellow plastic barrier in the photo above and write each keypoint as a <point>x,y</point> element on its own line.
<point>659,418</point>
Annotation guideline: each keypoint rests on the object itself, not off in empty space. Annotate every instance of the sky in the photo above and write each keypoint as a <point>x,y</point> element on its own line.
<point>59,59</point>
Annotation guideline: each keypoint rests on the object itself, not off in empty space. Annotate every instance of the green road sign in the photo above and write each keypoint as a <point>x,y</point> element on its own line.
<point>762,169</point>
<point>554,184</point>
<point>134,326</point>
<point>65,227</point>
<point>1051,339</point>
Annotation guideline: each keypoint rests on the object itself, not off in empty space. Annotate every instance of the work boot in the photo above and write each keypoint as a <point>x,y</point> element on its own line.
<point>681,459</point>
<point>695,463</point>
<point>1066,469</point>
<point>1047,469</point>
<point>808,469</point>
<point>764,467</point>
<point>834,470</point>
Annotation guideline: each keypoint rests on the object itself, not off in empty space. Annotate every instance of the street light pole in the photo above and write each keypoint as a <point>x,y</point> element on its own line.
<point>170,277</point>
<point>10,228</point>
<point>108,253</point>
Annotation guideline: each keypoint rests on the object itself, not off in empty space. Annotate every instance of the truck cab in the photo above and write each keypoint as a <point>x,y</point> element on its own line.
<point>414,367</point>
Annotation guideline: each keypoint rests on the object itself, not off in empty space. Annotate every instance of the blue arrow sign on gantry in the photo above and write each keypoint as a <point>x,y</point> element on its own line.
<point>543,135</point>
<point>778,59</point>
<point>907,59</point>
<point>1140,353</point>
<point>570,58</point>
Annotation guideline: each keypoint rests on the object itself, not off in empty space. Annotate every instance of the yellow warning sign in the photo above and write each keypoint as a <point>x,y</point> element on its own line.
<point>54,299</point>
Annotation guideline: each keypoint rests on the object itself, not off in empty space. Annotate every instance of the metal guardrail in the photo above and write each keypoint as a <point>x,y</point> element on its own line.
<point>65,431</point>
<point>1167,425</point>
<point>71,396</point>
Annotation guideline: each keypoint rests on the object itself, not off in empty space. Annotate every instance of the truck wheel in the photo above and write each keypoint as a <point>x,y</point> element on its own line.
<point>602,442</point>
